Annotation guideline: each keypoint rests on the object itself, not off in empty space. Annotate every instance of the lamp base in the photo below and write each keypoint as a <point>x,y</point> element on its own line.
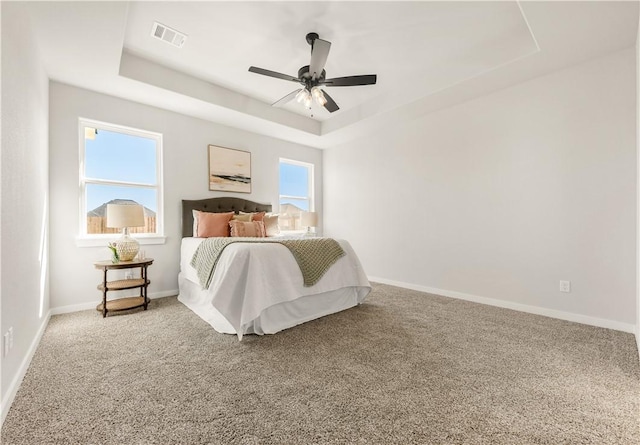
<point>127,247</point>
<point>309,233</point>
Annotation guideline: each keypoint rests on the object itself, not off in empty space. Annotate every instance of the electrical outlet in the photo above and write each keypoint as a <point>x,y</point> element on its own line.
<point>5,349</point>
<point>11,338</point>
<point>128,275</point>
<point>565,286</point>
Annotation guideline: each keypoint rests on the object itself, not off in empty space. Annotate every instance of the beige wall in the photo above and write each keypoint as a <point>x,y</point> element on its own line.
<point>638,190</point>
<point>24,216</point>
<point>503,196</point>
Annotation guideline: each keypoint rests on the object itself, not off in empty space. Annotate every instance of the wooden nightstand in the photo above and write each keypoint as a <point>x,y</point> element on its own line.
<point>141,283</point>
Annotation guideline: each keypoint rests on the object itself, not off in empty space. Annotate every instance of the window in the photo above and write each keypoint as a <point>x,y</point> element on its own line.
<point>119,165</point>
<point>296,193</point>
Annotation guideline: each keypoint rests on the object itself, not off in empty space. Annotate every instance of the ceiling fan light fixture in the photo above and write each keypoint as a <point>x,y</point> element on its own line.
<point>318,95</point>
<point>302,95</point>
<point>307,100</point>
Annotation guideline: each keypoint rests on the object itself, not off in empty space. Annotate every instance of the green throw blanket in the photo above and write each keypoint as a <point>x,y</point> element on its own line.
<point>314,255</point>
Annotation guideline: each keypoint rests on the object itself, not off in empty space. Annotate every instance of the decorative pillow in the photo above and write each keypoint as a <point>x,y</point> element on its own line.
<point>213,224</point>
<point>252,229</point>
<point>255,216</point>
<point>271,226</point>
<point>195,222</point>
<point>246,217</point>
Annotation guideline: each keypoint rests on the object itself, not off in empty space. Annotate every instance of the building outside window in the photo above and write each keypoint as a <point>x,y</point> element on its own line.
<point>119,165</point>
<point>296,193</point>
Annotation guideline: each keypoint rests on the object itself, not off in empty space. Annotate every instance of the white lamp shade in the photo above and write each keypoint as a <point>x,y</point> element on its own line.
<point>309,219</point>
<point>125,215</point>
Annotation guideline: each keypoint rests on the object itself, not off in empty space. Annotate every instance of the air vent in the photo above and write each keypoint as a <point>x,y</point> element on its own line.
<point>169,35</point>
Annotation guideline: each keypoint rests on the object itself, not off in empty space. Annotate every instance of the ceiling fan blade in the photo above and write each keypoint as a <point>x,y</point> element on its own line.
<point>255,69</point>
<point>349,81</point>
<point>288,98</point>
<point>331,104</point>
<point>319,54</point>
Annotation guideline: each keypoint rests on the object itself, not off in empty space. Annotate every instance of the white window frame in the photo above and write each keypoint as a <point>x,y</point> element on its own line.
<point>311,198</point>
<point>85,239</point>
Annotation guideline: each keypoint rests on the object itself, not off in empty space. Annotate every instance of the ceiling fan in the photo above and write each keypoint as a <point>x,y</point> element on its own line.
<point>313,76</point>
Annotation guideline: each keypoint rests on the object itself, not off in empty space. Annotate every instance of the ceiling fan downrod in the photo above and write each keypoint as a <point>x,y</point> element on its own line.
<point>311,37</point>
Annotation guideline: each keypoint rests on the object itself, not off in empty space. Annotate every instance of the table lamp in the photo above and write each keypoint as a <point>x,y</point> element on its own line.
<point>123,216</point>
<point>309,219</point>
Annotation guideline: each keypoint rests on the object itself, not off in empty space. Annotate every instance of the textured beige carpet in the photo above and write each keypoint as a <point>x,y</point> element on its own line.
<point>403,368</point>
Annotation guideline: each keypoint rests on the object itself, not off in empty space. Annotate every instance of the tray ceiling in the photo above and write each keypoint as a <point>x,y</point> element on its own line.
<point>427,55</point>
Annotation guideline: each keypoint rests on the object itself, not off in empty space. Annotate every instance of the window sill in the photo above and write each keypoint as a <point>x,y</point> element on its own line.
<point>101,241</point>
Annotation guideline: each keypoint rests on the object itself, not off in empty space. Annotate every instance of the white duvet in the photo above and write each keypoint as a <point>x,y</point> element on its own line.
<point>258,288</point>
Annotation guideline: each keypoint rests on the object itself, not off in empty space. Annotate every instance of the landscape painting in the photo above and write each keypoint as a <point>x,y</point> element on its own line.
<point>229,170</point>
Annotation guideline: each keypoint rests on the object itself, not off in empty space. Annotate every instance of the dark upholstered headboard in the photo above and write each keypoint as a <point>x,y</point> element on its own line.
<point>217,205</point>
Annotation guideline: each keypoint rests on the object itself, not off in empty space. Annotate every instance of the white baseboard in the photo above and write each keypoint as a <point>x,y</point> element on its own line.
<point>5,405</point>
<point>85,306</point>
<point>568,316</point>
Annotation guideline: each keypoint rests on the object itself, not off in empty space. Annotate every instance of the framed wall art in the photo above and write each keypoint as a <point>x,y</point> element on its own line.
<point>229,170</point>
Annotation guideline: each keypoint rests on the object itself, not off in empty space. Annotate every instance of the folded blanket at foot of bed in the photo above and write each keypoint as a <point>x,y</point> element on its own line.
<point>314,255</point>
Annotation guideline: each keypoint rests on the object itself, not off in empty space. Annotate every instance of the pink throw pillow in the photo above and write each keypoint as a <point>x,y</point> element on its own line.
<point>213,224</point>
<point>253,229</point>
<point>255,216</point>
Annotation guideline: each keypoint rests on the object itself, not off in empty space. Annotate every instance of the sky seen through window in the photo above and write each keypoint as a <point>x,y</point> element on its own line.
<point>122,157</point>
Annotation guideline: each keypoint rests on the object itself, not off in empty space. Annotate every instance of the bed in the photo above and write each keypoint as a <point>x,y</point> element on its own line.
<point>258,288</point>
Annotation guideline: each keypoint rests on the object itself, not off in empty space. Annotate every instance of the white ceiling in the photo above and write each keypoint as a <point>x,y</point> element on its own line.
<point>427,55</point>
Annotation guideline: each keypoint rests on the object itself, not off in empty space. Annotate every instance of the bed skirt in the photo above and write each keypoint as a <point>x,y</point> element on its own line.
<point>275,318</point>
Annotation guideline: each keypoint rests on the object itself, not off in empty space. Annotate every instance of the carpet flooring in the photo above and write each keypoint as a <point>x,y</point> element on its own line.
<point>404,367</point>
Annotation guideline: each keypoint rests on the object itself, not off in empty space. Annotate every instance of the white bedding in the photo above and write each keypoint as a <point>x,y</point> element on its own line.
<point>258,288</point>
